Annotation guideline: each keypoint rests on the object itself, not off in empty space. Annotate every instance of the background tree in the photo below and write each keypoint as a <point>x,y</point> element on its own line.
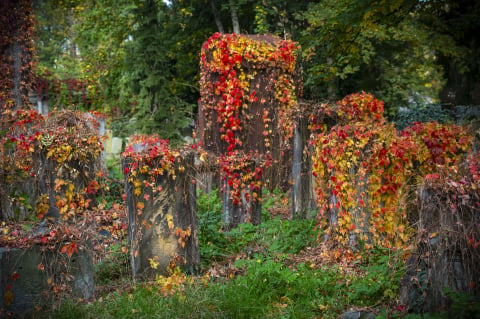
<point>56,37</point>
<point>103,31</point>
<point>149,72</point>
<point>143,64</point>
<point>457,43</point>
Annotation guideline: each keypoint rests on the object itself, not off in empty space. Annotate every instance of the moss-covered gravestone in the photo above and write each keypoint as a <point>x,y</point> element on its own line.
<point>161,207</point>
<point>248,91</point>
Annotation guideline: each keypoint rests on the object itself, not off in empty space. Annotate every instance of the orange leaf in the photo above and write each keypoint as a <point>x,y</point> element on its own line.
<point>8,298</point>
<point>72,249</point>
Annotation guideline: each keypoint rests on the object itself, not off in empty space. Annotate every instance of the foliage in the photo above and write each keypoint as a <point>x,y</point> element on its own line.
<point>425,113</point>
<point>111,46</point>
<point>456,45</point>
<point>212,241</point>
<point>368,45</point>
<point>155,152</point>
<point>112,185</point>
<point>147,77</point>
<point>447,239</point>
<point>441,147</point>
<point>364,170</point>
<point>66,93</point>
<point>267,288</point>
<point>395,50</point>
<point>113,266</point>
<point>276,236</point>
<point>279,17</point>
<point>101,30</point>
<point>62,76</point>
<point>49,170</point>
<point>157,174</point>
<point>17,53</point>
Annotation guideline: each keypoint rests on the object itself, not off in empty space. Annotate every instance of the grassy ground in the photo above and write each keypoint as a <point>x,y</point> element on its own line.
<point>278,269</point>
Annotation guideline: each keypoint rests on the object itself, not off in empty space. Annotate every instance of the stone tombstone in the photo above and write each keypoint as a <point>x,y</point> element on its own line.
<point>263,120</point>
<point>78,172</point>
<point>303,193</point>
<point>24,285</point>
<point>23,194</point>
<point>116,147</point>
<point>443,258</point>
<point>154,233</point>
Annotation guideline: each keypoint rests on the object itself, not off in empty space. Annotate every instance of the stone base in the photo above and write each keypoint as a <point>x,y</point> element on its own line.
<point>25,286</point>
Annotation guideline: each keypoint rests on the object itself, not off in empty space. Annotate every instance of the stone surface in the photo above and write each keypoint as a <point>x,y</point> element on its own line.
<point>23,286</point>
<point>152,234</point>
<point>116,146</point>
<point>357,314</point>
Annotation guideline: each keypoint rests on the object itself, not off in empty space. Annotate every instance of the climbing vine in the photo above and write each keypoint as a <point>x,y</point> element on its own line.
<point>49,166</point>
<point>17,52</point>
<point>364,170</point>
<point>248,88</point>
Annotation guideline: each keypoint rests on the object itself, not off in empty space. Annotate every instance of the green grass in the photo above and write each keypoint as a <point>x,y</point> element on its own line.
<point>269,288</point>
<point>267,284</point>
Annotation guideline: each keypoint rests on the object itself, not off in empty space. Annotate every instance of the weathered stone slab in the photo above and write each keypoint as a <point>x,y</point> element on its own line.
<point>116,147</point>
<point>29,278</point>
<point>162,220</point>
<point>303,194</point>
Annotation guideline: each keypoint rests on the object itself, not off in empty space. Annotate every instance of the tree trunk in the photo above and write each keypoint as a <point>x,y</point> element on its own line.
<point>331,85</point>
<point>216,15</point>
<point>233,11</point>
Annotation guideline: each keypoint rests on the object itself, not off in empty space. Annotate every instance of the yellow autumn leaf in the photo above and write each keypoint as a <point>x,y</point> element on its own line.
<point>137,191</point>
<point>153,263</point>
<point>170,221</point>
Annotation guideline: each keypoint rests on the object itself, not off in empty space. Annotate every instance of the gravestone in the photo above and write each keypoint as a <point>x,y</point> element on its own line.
<point>166,224</point>
<point>444,258</point>
<point>248,88</point>
<point>25,284</point>
<point>303,194</point>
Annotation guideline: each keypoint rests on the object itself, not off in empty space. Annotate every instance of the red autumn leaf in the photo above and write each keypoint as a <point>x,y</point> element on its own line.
<point>71,249</point>
<point>14,276</point>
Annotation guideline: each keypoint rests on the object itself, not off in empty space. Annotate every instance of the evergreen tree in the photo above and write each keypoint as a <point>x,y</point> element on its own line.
<point>149,71</point>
